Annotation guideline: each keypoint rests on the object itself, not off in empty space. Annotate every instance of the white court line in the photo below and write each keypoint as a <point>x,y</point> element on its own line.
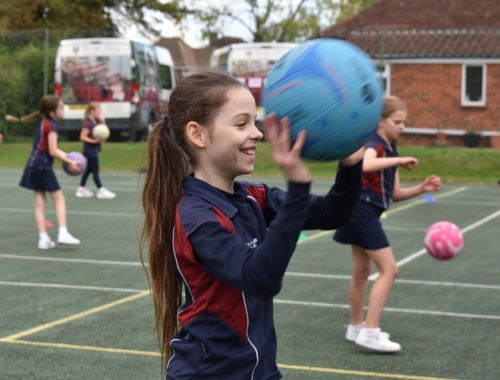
<point>470,203</point>
<point>276,301</point>
<point>91,213</point>
<point>64,286</point>
<point>289,274</point>
<point>417,254</point>
<point>408,229</point>
<point>402,281</point>
<point>118,189</point>
<point>317,275</point>
<point>62,259</point>
<point>394,310</point>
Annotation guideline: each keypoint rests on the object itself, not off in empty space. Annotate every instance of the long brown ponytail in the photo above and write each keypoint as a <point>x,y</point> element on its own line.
<point>196,98</point>
<point>167,167</point>
<point>47,105</point>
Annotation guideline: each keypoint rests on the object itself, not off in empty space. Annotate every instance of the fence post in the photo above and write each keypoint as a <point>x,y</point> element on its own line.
<point>46,63</point>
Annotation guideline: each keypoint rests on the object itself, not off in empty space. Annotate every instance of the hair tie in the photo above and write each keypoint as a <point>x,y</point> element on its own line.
<point>166,120</point>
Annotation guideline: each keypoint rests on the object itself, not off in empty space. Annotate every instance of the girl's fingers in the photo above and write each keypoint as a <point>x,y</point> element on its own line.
<point>299,143</point>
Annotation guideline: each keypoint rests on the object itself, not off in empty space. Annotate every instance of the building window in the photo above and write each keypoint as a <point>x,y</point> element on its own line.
<point>474,85</point>
<point>384,73</point>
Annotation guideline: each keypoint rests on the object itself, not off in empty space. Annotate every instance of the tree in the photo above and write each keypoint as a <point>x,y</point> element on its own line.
<point>266,20</point>
<point>81,14</point>
<point>348,8</point>
<point>272,20</point>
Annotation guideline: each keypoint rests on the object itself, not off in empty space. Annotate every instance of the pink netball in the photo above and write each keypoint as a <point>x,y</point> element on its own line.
<point>443,240</point>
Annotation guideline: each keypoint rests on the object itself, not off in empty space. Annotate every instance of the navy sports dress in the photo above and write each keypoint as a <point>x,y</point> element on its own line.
<point>91,150</point>
<point>232,251</point>
<point>38,174</point>
<point>364,229</point>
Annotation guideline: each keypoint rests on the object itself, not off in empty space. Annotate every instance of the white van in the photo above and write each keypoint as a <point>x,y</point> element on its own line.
<point>131,80</point>
<point>250,63</point>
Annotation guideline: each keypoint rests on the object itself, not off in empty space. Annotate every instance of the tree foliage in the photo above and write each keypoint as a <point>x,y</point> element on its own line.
<point>273,20</point>
<point>348,8</point>
<point>81,14</point>
<point>266,20</point>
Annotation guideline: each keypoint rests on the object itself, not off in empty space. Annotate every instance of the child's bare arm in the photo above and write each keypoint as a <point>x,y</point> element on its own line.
<point>372,163</point>
<point>431,183</point>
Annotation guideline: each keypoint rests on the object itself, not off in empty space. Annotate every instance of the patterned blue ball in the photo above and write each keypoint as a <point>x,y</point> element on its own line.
<point>331,89</point>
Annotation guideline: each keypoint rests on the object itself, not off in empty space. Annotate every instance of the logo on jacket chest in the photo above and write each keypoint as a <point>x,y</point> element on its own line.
<point>252,244</point>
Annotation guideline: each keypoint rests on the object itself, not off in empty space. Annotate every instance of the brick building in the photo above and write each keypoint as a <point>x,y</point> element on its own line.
<point>442,57</point>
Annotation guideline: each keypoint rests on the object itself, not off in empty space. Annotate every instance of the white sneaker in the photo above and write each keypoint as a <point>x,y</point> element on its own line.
<point>376,341</point>
<point>352,332</point>
<point>83,192</point>
<point>45,244</point>
<point>104,193</point>
<point>67,238</point>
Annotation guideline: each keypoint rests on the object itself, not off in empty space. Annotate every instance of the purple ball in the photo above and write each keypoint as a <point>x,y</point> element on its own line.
<point>82,162</point>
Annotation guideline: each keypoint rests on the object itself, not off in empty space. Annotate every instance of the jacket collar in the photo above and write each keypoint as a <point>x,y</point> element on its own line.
<point>214,196</point>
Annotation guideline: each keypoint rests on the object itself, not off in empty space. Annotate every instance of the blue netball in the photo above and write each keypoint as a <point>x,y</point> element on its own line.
<point>331,89</point>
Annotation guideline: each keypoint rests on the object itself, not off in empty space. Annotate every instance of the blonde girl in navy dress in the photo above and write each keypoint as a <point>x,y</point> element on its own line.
<point>380,186</point>
<point>39,175</point>
<point>91,150</point>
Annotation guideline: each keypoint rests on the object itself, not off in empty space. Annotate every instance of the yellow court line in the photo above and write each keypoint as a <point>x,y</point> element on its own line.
<point>392,211</point>
<point>73,317</point>
<point>284,366</point>
<point>420,201</point>
<point>359,373</point>
<point>80,347</point>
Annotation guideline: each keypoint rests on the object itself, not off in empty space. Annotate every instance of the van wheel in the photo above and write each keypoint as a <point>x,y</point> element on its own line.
<point>138,135</point>
<point>73,135</point>
<point>115,135</point>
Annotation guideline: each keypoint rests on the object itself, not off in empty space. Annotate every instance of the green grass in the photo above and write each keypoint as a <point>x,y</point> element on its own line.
<point>454,165</point>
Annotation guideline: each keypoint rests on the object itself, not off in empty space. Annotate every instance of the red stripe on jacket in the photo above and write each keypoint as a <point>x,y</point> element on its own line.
<point>208,293</point>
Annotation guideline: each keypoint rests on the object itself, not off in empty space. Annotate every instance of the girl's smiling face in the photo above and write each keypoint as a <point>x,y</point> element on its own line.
<point>232,137</point>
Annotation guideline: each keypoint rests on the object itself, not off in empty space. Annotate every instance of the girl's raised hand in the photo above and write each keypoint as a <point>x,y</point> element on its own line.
<point>431,183</point>
<point>287,157</point>
<point>408,163</point>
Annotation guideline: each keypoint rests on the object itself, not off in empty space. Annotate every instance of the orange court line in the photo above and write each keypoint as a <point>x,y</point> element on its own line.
<point>283,366</point>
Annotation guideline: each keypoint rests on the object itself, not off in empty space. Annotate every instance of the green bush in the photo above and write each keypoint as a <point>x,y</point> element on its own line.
<point>22,72</point>
<point>12,78</point>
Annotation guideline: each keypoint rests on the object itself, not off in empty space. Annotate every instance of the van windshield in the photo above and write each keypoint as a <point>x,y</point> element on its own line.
<point>96,78</point>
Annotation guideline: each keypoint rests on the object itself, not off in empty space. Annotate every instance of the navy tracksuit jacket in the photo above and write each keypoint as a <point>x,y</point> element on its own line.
<point>232,251</point>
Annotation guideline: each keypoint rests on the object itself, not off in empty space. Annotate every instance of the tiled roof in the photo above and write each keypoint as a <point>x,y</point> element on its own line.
<point>448,43</point>
<point>425,29</point>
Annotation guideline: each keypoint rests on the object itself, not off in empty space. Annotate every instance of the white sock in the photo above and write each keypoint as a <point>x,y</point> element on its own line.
<point>44,236</point>
<point>371,331</point>
<point>63,230</point>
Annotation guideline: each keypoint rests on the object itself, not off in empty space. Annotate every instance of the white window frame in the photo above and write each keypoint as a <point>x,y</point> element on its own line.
<point>385,74</point>
<point>465,101</point>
